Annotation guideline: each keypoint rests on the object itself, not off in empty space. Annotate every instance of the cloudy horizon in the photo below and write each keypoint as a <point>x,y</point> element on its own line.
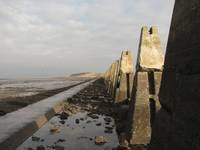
<point>46,38</point>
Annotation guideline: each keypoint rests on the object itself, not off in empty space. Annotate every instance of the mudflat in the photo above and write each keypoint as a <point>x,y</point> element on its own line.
<point>18,93</point>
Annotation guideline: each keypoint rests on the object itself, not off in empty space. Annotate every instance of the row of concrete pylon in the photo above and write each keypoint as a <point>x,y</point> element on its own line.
<point>139,86</point>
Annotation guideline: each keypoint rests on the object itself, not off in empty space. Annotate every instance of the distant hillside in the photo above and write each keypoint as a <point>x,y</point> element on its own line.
<point>84,75</point>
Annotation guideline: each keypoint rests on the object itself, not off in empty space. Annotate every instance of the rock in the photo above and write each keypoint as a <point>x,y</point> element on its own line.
<point>2,113</point>
<point>94,97</point>
<point>64,116</point>
<point>61,140</point>
<point>57,114</point>
<point>35,138</point>
<point>57,147</point>
<point>62,122</point>
<point>120,147</point>
<point>107,123</point>
<point>108,131</point>
<point>82,119</point>
<point>42,140</point>
<point>93,116</point>
<point>98,124</point>
<point>101,97</point>
<point>77,121</point>
<point>100,140</point>
<point>40,147</point>
<point>55,130</point>
<point>109,128</point>
<point>107,119</point>
<point>123,141</point>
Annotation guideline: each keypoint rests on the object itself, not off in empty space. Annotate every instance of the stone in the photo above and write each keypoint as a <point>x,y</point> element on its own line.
<point>109,128</point>
<point>77,121</point>
<point>100,140</point>
<point>98,124</point>
<point>55,130</point>
<point>57,147</point>
<point>61,140</point>
<point>107,119</point>
<point>108,131</point>
<point>40,147</point>
<point>93,116</point>
<point>150,54</point>
<point>35,138</point>
<point>62,122</point>
<point>64,116</point>
<point>121,147</point>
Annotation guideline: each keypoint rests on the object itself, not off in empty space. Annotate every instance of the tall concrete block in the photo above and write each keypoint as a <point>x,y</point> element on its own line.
<point>143,107</point>
<point>115,78</point>
<point>144,101</point>
<point>150,54</point>
<point>178,122</point>
<point>140,130</point>
<point>107,78</point>
<point>125,76</point>
<point>111,79</point>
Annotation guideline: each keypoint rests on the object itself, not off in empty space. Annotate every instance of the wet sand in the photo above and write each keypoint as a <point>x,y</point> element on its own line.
<point>12,99</point>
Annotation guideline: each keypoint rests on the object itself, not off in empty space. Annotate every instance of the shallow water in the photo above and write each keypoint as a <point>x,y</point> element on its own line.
<point>73,135</point>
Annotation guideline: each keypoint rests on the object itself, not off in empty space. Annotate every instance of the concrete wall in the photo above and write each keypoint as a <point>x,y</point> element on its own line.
<point>177,126</point>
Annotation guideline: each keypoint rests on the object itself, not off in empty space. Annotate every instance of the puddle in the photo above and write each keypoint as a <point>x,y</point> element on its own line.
<point>78,132</point>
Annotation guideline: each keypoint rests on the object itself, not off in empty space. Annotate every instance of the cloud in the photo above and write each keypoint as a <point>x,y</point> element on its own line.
<point>48,37</point>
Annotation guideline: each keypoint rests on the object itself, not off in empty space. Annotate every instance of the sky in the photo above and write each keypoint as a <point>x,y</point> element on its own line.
<point>48,38</point>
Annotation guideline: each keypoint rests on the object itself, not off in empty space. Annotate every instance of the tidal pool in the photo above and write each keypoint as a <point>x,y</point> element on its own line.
<point>78,132</point>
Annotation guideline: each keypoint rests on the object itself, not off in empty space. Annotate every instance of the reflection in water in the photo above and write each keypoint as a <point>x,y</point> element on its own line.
<point>78,132</point>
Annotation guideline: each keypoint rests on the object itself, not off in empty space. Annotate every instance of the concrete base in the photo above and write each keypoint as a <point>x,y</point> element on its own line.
<point>144,105</point>
<point>123,92</point>
<point>140,128</point>
<point>17,126</point>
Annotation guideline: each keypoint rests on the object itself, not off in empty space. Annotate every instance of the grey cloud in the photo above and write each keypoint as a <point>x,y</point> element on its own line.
<point>51,38</point>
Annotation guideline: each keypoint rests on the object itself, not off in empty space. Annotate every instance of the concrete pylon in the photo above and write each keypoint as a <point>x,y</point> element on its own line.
<point>146,84</point>
<point>177,123</point>
<point>114,77</point>
<point>113,70</point>
<point>124,77</point>
<point>150,54</point>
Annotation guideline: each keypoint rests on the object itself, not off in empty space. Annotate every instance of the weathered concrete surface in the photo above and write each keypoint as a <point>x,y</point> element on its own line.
<point>146,85</point>
<point>178,122</point>
<point>113,73</point>
<point>143,106</point>
<point>150,54</point>
<point>125,76</point>
<point>17,126</point>
<point>114,78</point>
<point>140,130</point>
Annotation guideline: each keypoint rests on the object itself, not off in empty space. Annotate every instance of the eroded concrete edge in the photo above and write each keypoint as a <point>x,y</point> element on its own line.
<point>17,126</point>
